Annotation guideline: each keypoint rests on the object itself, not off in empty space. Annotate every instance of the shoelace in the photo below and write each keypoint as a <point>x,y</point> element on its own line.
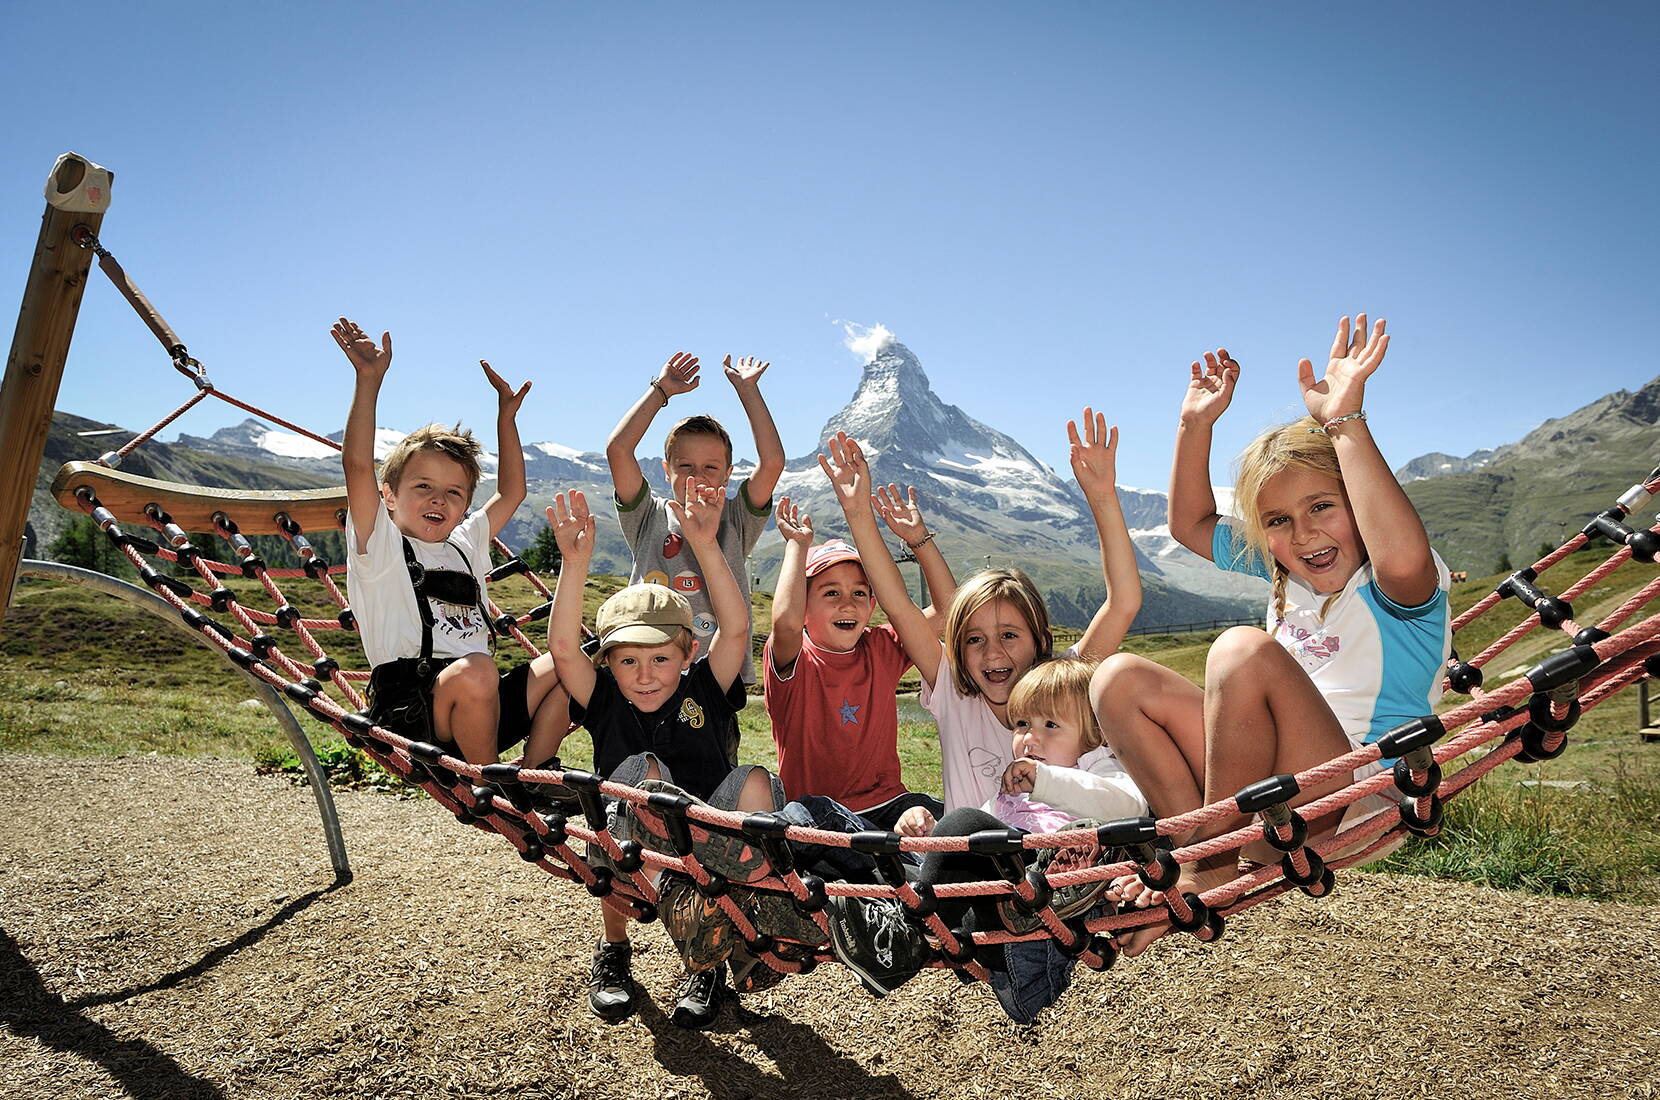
<point>611,968</point>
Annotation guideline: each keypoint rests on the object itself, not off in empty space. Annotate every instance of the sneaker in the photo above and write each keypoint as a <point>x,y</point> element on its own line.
<point>729,855</point>
<point>611,986</point>
<point>700,997</point>
<point>873,939</point>
<point>776,915</point>
<point>752,975</point>
<point>1066,901</point>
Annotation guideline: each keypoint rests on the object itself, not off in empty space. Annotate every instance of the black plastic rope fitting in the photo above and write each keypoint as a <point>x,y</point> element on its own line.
<point>1563,668</point>
<point>1418,762</point>
<point>673,807</point>
<point>1553,612</point>
<point>768,829</point>
<point>1266,792</point>
<point>1430,823</point>
<point>286,616</point>
<point>158,581</point>
<point>817,897</point>
<point>1463,677</point>
<point>1644,544</point>
<point>1412,735</point>
<point>586,786</point>
<point>511,567</point>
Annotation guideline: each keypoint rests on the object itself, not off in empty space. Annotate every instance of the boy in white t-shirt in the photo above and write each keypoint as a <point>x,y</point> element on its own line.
<point>415,570</point>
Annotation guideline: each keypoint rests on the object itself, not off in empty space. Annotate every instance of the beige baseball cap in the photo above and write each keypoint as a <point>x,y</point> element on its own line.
<point>641,614</point>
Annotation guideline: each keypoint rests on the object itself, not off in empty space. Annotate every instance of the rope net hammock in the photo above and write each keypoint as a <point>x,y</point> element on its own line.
<point>744,864</point>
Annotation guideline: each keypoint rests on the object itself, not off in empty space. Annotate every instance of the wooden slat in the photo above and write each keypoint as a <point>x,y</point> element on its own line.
<point>192,506</point>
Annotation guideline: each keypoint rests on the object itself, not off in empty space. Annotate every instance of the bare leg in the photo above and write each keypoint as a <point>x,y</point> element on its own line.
<point>756,797</point>
<point>1154,719</point>
<point>466,708</point>
<point>1262,716</point>
<point>550,715</point>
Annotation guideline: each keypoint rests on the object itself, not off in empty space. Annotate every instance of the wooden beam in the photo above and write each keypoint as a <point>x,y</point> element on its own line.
<point>77,193</point>
<point>193,506</point>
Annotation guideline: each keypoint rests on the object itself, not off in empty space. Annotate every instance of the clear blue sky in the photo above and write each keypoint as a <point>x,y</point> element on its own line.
<point>1051,204</point>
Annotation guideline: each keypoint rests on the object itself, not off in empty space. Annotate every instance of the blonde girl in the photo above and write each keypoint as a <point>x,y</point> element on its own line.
<point>997,626</point>
<point>1357,625</point>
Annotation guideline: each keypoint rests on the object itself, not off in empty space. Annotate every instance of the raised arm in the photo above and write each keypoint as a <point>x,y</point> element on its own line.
<point>1390,527</point>
<point>1094,463</point>
<point>510,463</point>
<point>573,530</point>
<point>699,515</point>
<point>357,446</point>
<point>679,375</point>
<point>745,377</point>
<point>789,603</point>
<point>1192,505</point>
<point>849,475</point>
<point>904,519</point>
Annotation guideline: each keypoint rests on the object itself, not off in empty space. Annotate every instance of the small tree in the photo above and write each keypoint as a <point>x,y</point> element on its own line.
<point>543,554</point>
<point>84,544</point>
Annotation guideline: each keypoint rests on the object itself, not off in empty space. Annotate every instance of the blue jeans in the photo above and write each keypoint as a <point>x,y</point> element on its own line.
<point>818,812</point>
<point>1036,974</point>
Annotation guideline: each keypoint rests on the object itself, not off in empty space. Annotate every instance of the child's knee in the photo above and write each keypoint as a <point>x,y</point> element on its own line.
<point>1117,679</point>
<point>471,680</point>
<point>1237,649</point>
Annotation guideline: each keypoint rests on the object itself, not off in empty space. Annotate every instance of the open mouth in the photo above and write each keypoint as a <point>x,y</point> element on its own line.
<point>433,517</point>
<point>1320,559</point>
<point>845,624</point>
<point>997,675</point>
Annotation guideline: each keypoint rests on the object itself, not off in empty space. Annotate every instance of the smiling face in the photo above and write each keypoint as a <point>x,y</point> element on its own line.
<point>696,454</point>
<point>1310,528</point>
<point>997,648</point>
<point>431,496</point>
<point>648,675</point>
<point>839,605</point>
<point>1050,739</point>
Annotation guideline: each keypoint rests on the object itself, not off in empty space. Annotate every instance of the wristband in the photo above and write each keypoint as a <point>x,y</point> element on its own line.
<point>1325,429</point>
<point>921,542</point>
<point>658,386</point>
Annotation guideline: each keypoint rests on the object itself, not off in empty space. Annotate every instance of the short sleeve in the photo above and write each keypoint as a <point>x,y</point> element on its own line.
<point>1431,606</point>
<point>633,516</point>
<point>1231,553</point>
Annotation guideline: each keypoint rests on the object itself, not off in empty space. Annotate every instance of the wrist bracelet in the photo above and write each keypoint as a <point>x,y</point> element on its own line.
<point>921,542</point>
<point>658,386</point>
<point>1325,429</point>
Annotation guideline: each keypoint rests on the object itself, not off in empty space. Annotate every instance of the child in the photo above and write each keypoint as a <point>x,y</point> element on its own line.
<point>697,447</point>
<point>997,626</point>
<point>831,678</point>
<point>415,569</point>
<point>1058,749</point>
<point>1358,628</point>
<point>654,709</point>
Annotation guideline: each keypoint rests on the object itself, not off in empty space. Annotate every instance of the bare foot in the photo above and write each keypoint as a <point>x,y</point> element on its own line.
<point>1196,878</point>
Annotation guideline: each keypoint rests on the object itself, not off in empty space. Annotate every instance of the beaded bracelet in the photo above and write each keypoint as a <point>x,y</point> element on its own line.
<point>1325,429</point>
<point>921,542</point>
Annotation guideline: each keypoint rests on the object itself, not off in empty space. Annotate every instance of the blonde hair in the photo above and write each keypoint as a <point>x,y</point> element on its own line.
<point>1058,688</point>
<point>1299,445</point>
<point>1012,585</point>
<point>696,425</point>
<point>455,443</point>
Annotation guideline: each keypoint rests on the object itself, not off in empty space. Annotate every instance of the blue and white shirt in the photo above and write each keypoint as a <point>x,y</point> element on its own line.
<point>1376,663</point>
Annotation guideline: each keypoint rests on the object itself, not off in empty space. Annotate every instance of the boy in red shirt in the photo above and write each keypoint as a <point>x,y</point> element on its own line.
<point>831,679</point>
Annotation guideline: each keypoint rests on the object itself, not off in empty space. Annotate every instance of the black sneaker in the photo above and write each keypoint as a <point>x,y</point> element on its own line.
<point>873,939</point>
<point>1067,901</point>
<point>700,997</point>
<point>611,986</point>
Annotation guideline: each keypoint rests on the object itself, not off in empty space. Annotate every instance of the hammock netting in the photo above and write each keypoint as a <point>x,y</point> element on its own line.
<point>556,817</point>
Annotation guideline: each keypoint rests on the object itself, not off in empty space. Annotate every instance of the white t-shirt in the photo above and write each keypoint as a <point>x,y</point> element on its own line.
<point>383,600</point>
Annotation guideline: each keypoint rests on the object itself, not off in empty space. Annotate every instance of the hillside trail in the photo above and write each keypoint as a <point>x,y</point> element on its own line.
<point>171,930</point>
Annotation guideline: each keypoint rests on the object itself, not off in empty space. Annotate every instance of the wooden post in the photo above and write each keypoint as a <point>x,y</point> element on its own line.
<point>77,194</point>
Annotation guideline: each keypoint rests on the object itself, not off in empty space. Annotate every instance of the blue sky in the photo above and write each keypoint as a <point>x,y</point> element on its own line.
<point>1051,204</point>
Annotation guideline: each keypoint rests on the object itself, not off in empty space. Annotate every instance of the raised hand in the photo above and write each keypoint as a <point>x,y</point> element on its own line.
<point>900,513</point>
<point>679,375</point>
<point>1353,359</point>
<point>1094,453</point>
<point>508,399</point>
<point>1211,388</point>
<point>360,348</point>
<point>700,513</point>
<point>573,525</point>
<point>746,372</point>
<point>848,472</point>
<point>794,524</point>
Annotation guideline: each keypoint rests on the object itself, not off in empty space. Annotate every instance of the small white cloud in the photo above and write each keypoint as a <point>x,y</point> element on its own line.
<point>865,341</point>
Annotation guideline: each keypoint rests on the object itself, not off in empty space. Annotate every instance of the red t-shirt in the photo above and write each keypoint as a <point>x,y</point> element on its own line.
<point>835,721</point>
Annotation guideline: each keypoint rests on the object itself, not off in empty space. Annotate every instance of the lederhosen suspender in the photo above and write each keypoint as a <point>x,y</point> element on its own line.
<point>423,610</point>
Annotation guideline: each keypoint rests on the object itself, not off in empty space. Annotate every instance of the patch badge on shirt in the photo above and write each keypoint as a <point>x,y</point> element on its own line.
<point>672,543</point>
<point>849,713</point>
<point>1309,648</point>
<point>703,625</point>
<point>687,582</point>
<point>656,576</point>
<point>691,713</point>
<point>986,762</point>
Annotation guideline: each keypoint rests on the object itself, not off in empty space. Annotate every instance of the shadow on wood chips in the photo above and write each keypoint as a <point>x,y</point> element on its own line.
<point>170,929</point>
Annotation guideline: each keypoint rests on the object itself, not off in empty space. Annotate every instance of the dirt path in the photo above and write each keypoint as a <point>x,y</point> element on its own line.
<point>170,929</point>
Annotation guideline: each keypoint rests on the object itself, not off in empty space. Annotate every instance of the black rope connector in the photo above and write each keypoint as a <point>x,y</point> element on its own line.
<point>262,644</point>
<point>347,620</point>
<point>1266,792</point>
<point>586,786</point>
<point>137,542</point>
<point>817,897</point>
<point>316,568</point>
<point>1126,831</point>
<point>556,834</point>
<point>286,616</point>
<point>1311,877</point>
<point>601,886</point>
<point>768,829</point>
<point>324,667</point>
<point>508,568</point>
<point>303,693</point>
<point>220,599</point>
<point>1418,762</point>
<point>1563,668</point>
<point>1644,545</point>
<point>631,857</point>
<point>1591,636</point>
<point>252,565</point>
<point>1161,872</point>
<point>157,580</point>
<point>1552,612</point>
<point>504,623</point>
<point>202,622</point>
<point>673,809</point>
<point>1410,736</point>
<point>1427,825</point>
<point>1463,677</point>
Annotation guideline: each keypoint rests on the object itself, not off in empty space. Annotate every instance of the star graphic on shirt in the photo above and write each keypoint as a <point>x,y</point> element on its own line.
<point>850,713</point>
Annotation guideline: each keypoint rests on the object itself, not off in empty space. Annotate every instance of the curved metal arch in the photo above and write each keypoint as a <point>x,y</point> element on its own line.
<point>161,609</point>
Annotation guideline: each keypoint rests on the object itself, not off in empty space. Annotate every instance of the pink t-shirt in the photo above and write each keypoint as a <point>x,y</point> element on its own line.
<point>974,746</point>
<point>835,720</point>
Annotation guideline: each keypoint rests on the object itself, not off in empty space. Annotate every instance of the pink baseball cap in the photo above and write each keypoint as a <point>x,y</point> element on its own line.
<point>826,554</point>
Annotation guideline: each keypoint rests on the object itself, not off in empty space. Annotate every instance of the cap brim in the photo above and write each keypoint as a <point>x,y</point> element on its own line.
<point>636,634</point>
<point>835,557</point>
